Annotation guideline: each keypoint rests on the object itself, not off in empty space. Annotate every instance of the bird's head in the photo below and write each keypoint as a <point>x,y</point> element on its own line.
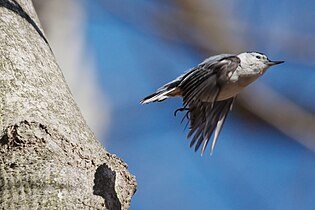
<point>257,61</point>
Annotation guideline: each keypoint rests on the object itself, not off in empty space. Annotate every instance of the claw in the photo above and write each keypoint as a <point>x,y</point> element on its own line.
<point>181,110</point>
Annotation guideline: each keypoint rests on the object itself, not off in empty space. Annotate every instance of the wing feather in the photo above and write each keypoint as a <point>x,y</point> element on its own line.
<point>206,118</point>
<point>205,81</point>
<point>200,88</point>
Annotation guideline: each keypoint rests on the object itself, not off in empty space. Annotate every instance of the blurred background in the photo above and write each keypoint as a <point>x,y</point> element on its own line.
<point>114,53</point>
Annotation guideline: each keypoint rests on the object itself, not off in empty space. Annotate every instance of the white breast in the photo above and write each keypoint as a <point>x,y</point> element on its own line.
<point>232,88</point>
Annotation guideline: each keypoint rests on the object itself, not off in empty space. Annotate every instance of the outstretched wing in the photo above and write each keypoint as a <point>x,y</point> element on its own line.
<point>204,119</point>
<point>200,89</point>
<point>203,84</point>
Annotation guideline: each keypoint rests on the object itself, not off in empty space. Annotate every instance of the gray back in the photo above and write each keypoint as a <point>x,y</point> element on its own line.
<point>216,58</point>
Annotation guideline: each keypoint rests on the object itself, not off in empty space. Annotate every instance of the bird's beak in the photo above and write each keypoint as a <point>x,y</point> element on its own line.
<point>272,63</point>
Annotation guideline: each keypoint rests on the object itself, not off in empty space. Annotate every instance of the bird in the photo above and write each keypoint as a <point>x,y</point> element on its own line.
<point>208,92</point>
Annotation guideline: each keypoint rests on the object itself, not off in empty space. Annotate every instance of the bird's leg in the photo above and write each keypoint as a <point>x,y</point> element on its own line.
<point>181,110</point>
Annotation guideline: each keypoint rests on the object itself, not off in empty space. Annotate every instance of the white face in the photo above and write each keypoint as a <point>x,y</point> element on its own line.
<point>257,62</point>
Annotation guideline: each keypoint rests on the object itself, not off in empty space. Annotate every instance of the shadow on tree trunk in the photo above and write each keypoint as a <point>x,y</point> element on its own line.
<point>104,186</point>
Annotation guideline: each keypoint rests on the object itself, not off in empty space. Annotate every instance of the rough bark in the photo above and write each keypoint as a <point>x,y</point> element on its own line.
<point>49,158</point>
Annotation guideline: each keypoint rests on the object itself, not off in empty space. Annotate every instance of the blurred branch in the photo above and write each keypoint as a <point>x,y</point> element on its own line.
<point>268,105</point>
<point>177,23</point>
<point>209,24</point>
<point>299,46</point>
<point>205,27</point>
<point>280,112</point>
<point>261,101</point>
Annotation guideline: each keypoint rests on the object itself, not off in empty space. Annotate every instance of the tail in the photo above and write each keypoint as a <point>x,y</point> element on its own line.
<point>166,91</point>
<point>159,95</point>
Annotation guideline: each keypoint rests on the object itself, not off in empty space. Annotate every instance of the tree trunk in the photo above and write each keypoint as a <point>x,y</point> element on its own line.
<point>50,159</point>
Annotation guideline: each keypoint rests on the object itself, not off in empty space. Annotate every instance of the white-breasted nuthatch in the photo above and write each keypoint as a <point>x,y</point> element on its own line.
<point>209,90</point>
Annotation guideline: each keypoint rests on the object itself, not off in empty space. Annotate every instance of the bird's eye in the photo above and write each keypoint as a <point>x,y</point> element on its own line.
<point>258,57</point>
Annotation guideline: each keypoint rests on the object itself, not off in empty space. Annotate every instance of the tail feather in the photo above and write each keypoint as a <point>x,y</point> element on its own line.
<point>160,95</point>
<point>168,90</point>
